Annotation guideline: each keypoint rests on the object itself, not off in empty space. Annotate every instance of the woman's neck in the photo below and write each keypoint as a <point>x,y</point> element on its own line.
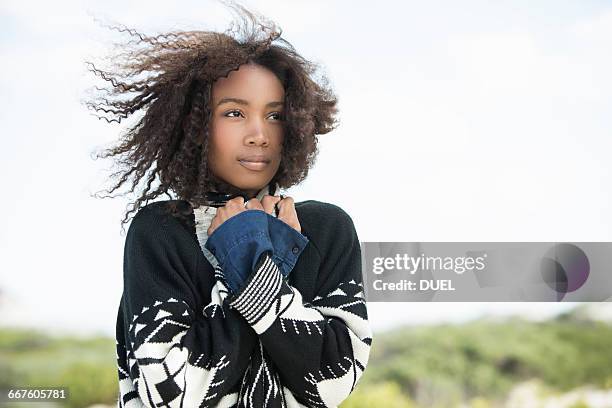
<point>223,187</point>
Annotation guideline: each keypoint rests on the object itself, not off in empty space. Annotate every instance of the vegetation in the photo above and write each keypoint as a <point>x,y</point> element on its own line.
<point>86,367</point>
<point>474,364</point>
<point>478,363</point>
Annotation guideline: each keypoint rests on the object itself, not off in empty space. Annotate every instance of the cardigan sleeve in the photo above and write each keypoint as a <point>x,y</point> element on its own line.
<point>181,352</point>
<point>321,349</point>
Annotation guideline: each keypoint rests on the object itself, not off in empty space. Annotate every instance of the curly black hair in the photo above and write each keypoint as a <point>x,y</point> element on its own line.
<point>170,140</point>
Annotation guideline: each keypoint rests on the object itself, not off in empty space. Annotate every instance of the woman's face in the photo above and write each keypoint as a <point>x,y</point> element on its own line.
<point>246,130</point>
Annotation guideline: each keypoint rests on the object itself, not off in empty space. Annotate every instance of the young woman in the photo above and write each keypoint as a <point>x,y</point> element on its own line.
<point>253,302</point>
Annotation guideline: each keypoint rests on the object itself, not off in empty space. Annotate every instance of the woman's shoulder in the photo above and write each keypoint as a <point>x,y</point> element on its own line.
<point>324,221</point>
<point>163,214</point>
<point>321,211</point>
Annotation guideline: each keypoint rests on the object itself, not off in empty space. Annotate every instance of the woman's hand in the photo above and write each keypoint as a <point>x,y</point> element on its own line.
<point>269,202</point>
<point>286,212</point>
<point>231,208</point>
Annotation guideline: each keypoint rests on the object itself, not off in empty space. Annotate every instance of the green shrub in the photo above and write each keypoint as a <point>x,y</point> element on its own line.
<point>387,394</point>
<point>89,384</point>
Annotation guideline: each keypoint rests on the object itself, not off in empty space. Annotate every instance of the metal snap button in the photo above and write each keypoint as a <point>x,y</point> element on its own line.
<point>295,249</point>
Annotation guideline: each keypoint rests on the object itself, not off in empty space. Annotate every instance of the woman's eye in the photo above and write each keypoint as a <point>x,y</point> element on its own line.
<point>229,113</point>
<point>236,113</point>
<point>276,115</point>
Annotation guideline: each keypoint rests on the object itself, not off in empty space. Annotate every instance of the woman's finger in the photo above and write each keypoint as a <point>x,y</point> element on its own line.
<point>269,203</point>
<point>254,204</point>
<point>288,214</point>
<point>235,202</point>
<point>286,207</point>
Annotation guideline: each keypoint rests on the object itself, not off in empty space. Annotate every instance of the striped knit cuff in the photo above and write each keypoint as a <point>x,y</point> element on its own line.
<point>259,293</point>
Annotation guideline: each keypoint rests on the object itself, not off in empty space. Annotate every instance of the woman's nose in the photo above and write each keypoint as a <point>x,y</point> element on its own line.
<point>257,134</point>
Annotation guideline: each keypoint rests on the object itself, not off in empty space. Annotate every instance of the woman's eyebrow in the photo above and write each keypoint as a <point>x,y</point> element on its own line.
<point>243,102</point>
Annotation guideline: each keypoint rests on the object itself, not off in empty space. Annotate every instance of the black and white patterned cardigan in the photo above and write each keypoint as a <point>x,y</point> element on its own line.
<point>301,341</point>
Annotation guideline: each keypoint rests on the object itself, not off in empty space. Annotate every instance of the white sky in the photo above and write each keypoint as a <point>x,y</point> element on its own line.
<point>460,121</point>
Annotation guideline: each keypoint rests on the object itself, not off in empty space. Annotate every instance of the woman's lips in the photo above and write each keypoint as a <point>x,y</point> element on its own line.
<point>253,165</point>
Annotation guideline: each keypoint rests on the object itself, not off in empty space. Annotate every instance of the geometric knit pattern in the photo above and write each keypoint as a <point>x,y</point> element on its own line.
<point>264,346</point>
<point>269,301</point>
